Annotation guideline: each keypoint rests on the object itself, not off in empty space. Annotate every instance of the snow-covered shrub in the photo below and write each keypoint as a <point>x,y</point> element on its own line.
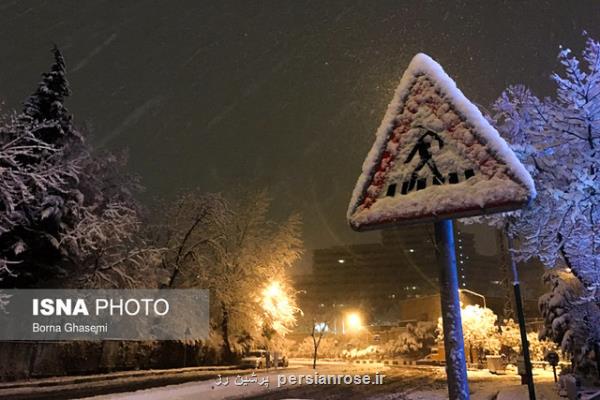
<point>539,348</point>
<point>329,347</point>
<point>362,352</point>
<point>571,318</point>
<point>416,341</point>
<point>510,342</point>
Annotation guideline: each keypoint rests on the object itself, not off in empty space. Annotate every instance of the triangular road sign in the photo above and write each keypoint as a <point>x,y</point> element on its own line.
<point>435,157</point>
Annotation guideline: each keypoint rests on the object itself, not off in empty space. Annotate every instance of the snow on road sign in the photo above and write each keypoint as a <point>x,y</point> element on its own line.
<point>435,157</point>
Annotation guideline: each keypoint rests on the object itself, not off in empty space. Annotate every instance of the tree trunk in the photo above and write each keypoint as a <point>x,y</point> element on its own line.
<point>471,352</point>
<point>227,353</point>
<point>316,344</point>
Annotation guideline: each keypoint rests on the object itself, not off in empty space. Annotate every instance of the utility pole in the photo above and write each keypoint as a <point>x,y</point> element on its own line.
<point>507,309</point>
<point>521,317</point>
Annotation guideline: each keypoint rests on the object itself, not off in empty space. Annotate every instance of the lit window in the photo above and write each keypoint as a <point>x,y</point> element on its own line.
<point>341,261</point>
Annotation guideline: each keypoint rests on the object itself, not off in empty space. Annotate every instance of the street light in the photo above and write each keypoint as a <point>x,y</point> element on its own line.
<point>475,294</point>
<point>353,322</point>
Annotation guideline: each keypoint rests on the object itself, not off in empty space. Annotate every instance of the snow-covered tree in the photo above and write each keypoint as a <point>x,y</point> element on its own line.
<point>479,330</point>
<point>193,222</point>
<point>46,106</point>
<point>279,308</point>
<point>231,247</point>
<point>557,139</point>
<point>317,333</point>
<point>510,339</point>
<point>31,172</point>
<point>66,217</point>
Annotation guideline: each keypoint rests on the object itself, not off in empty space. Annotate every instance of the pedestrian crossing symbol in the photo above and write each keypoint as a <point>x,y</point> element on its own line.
<point>435,157</point>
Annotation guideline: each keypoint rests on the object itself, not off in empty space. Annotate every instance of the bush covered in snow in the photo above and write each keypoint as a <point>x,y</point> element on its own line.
<point>509,338</point>
<point>416,341</point>
<point>571,319</point>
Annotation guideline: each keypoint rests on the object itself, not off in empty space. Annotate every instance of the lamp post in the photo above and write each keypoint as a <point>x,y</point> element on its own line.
<point>475,294</point>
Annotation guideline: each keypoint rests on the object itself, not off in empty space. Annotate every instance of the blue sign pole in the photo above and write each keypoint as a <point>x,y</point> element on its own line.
<point>456,367</point>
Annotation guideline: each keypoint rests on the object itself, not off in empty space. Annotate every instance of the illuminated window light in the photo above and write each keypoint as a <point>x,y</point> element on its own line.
<point>341,261</point>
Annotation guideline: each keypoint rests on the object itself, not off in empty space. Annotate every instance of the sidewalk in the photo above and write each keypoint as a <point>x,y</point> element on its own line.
<point>543,391</point>
<point>69,387</point>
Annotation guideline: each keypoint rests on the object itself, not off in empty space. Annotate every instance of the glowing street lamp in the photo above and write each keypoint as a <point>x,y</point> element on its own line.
<point>353,322</point>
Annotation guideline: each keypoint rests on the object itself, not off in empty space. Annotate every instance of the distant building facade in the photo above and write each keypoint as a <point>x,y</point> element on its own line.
<point>385,279</point>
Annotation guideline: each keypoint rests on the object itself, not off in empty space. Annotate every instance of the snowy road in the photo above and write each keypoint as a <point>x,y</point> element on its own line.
<point>279,385</point>
<point>211,389</point>
<point>407,383</point>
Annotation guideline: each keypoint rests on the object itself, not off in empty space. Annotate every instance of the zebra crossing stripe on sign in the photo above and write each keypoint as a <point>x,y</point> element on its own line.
<point>435,157</point>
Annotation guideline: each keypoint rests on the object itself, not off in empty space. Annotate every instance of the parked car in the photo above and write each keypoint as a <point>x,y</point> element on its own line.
<point>255,359</point>
<point>279,359</point>
<point>434,358</point>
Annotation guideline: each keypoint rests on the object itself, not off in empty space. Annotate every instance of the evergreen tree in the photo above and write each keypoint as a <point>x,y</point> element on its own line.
<point>66,217</point>
<point>46,105</point>
<point>33,174</point>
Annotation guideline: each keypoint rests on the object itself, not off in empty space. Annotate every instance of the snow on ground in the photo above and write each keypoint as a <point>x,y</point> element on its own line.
<point>487,386</point>
<point>400,383</point>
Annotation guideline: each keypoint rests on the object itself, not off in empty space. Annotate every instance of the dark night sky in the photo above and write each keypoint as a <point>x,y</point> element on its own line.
<point>286,94</point>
